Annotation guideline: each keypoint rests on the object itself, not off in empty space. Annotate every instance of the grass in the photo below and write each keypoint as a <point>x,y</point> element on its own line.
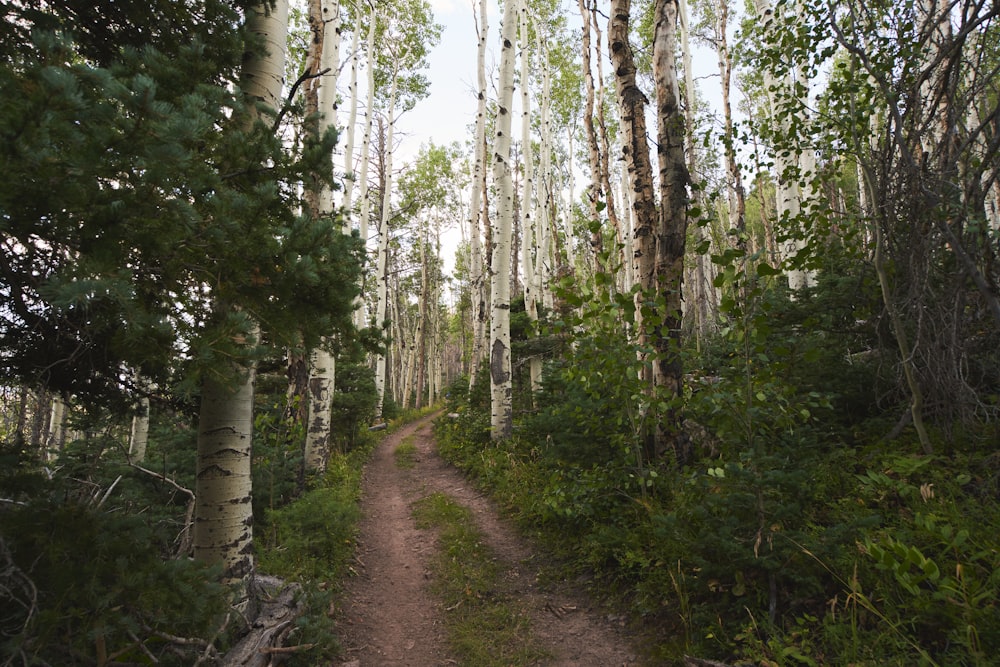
<point>406,453</point>
<point>485,626</point>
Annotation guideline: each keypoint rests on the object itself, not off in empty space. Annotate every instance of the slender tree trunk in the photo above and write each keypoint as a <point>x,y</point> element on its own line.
<point>500,362</point>
<point>635,151</point>
<point>422,321</point>
<point>223,528</point>
<point>360,315</point>
<point>139,434</point>
<point>324,54</point>
<point>529,221</point>
<point>476,205</point>
<point>594,193</point>
<point>383,241</point>
<point>605,140</point>
<point>670,246</point>
<point>352,121</point>
<point>701,291</point>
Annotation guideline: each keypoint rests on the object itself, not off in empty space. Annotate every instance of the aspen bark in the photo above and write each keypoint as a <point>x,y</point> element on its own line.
<point>672,232</point>
<point>476,207</point>
<point>324,55</point>
<point>701,290</point>
<point>223,527</point>
<point>139,434</point>
<point>360,315</point>
<point>635,151</point>
<point>595,193</point>
<point>529,222</point>
<point>500,361</point>
<point>383,242</point>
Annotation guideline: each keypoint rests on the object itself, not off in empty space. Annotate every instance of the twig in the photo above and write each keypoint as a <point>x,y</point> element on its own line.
<point>286,649</point>
<point>108,492</point>
<point>184,537</point>
<point>291,94</point>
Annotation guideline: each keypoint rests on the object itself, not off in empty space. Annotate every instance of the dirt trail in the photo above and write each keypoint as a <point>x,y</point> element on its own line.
<point>392,618</point>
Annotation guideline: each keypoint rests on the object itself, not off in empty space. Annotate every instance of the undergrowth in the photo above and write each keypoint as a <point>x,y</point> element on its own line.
<point>793,538</point>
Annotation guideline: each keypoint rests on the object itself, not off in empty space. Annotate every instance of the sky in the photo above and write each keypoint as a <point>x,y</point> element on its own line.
<point>446,114</point>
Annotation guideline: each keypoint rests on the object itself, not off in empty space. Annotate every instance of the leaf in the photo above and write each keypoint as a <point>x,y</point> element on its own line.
<point>764,269</point>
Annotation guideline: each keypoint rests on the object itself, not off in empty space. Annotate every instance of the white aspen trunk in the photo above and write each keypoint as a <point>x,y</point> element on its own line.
<point>789,195</point>
<point>329,60</point>
<point>360,315</point>
<point>501,393</point>
<point>475,206</point>
<point>700,287</point>
<point>55,438</point>
<point>734,183</point>
<point>139,434</point>
<point>223,524</point>
<point>322,365</point>
<point>545,185</point>
<point>605,142</point>
<point>383,243</point>
<point>628,231</point>
<point>594,194</point>
<point>529,239</point>
<point>352,121</point>
<point>672,231</point>
<point>567,206</point>
<point>422,322</point>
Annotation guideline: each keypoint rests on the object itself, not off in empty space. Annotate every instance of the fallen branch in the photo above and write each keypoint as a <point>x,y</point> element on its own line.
<point>184,537</point>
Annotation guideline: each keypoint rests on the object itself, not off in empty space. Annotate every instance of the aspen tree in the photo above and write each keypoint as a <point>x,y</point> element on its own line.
<point>139,433</point>
<point>324,56</point>
<point>702,292</point>
<point>672,232</point>
<point>500,361</point>
<point>360,315</point>
<point>382,257</point>
<point>659,234</point>
<point>529,220</point>
<point>595,192</point>
<point>223,526</point>
<point>476,201</point>
<point>794,168</point>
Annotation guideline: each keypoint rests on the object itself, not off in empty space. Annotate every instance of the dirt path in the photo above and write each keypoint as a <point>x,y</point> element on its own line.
<point>392,618</point>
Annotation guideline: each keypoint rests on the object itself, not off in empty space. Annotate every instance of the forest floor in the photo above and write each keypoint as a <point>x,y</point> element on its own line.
<point>391,614</point>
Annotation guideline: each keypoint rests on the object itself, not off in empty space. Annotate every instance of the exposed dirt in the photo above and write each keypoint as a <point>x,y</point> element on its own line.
<point>391,617</point>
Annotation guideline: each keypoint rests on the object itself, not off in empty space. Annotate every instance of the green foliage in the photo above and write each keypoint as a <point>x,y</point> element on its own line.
<point>354,403</point>
<point>88,570</point>
<point>277,458</point>
<point>308,539</point>
<point>141,222</point>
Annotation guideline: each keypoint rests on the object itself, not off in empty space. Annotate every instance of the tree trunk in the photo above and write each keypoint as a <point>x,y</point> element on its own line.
<point>139,435</point>
<point>673,179</point>
<point>594,193</point>
<point>529,220</point>
<point>701,291</point>
<point>381,274</point>
<point>321,96</point>
<point>223,522</point>
<point>635,150</point>
<point>360,315</point>
<point>476,206</point>
<point>501,393</point>
<point>223,530</point>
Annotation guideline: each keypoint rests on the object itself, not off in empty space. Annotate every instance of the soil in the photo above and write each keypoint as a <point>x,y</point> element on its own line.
<point>390,615</point>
